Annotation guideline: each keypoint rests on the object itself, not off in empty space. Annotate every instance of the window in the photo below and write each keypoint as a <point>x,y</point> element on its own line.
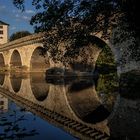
<point>1,37</point>
<point>1,32</point>
<point>1,27</point>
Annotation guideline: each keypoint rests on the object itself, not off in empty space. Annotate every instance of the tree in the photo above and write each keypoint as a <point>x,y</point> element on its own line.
<point>75,20</point>
<point>54,12</point>
<point>19,34</point>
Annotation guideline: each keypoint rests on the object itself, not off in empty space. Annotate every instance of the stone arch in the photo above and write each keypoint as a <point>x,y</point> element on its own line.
<point>38,61</point>
<point>2,63</point>
<point>16,80</point>
<point>40,88</point>
<point>89,51</point>
<point>15,61</point>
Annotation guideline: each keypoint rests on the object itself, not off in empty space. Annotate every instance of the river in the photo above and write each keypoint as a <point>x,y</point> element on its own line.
<point>33,106</point>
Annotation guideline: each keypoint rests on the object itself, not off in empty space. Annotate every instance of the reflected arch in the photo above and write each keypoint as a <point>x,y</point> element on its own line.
<point>16,80</point>
<point>85,102</point>
<point>39,62</point>
<point>40,88</point>
<point>15,61</point>
<point>2,78</point>
<point>2,63</point>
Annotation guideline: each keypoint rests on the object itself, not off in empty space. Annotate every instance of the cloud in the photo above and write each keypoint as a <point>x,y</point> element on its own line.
<point>30,12</point>
<point>13,28</point>
<point>25,17</point>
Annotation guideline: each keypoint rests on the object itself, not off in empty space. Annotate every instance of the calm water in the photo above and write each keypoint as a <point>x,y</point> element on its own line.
<point>35,107</point>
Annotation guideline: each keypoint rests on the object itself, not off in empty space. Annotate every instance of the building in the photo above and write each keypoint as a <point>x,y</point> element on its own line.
<point>3,32</point>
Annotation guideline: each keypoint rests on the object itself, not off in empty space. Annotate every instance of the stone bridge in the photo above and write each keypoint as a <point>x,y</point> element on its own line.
<point>25,54</point>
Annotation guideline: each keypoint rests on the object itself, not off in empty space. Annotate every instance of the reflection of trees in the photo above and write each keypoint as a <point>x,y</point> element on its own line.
<point>107,83</point>
<point>107,87</point>
<point>11,126</point>
<point>130,84</point>
<point>81,84</point>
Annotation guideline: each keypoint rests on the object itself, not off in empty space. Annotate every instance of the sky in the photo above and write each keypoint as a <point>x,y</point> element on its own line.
<point>18,21</point>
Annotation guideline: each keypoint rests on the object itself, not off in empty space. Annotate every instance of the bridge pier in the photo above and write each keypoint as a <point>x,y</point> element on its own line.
<point>7,57</point>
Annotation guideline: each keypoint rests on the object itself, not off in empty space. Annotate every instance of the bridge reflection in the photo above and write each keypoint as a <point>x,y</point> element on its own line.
<point>40,88</point>
<point>74,106</point>
<point>2,79</point>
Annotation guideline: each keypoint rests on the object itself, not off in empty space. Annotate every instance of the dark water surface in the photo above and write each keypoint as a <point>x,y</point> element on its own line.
<point>36,107</point>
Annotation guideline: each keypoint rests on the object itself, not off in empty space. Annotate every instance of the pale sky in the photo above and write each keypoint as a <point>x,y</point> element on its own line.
<point>17,20</point>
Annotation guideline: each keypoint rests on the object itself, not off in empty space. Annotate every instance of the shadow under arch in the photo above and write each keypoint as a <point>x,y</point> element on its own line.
<point>2,63</point>
<point>87,48</point>
<point>38,61</point>
<point>2,78</point>
<point>15,61</point>
<point>16,80</point>
<point>40,88</point>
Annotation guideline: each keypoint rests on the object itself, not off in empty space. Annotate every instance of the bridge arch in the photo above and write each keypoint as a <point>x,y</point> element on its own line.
<point>2,63</point>
<point>38,61</point>
<point>89,51</point>
<point>15,61</point>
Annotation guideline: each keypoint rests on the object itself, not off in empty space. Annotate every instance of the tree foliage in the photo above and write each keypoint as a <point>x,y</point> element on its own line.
<point>53,13</point>
<point>75,20</point>
<point>19,34</point>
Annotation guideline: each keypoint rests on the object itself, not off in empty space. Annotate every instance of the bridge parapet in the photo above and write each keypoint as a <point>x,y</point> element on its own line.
<point>31,39</point>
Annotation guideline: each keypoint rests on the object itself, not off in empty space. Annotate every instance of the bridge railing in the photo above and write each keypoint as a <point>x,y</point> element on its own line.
<point>35,38</point>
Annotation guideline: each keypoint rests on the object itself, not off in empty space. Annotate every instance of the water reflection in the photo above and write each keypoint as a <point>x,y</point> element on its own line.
<point>77,105</point>
<point>126,119</point>
<point>16,80</point>
<point>85,102</point>
<point>3,104</point>
<point>2,76</point>
<point>80,104</point>
<point>11,125</point>
<point>39,86</point>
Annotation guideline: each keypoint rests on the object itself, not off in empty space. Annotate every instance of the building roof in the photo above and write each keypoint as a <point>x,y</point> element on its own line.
<point>3,23</point>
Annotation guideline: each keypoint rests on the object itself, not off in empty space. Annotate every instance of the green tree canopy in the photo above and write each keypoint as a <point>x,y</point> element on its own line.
<point>19,34</point>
